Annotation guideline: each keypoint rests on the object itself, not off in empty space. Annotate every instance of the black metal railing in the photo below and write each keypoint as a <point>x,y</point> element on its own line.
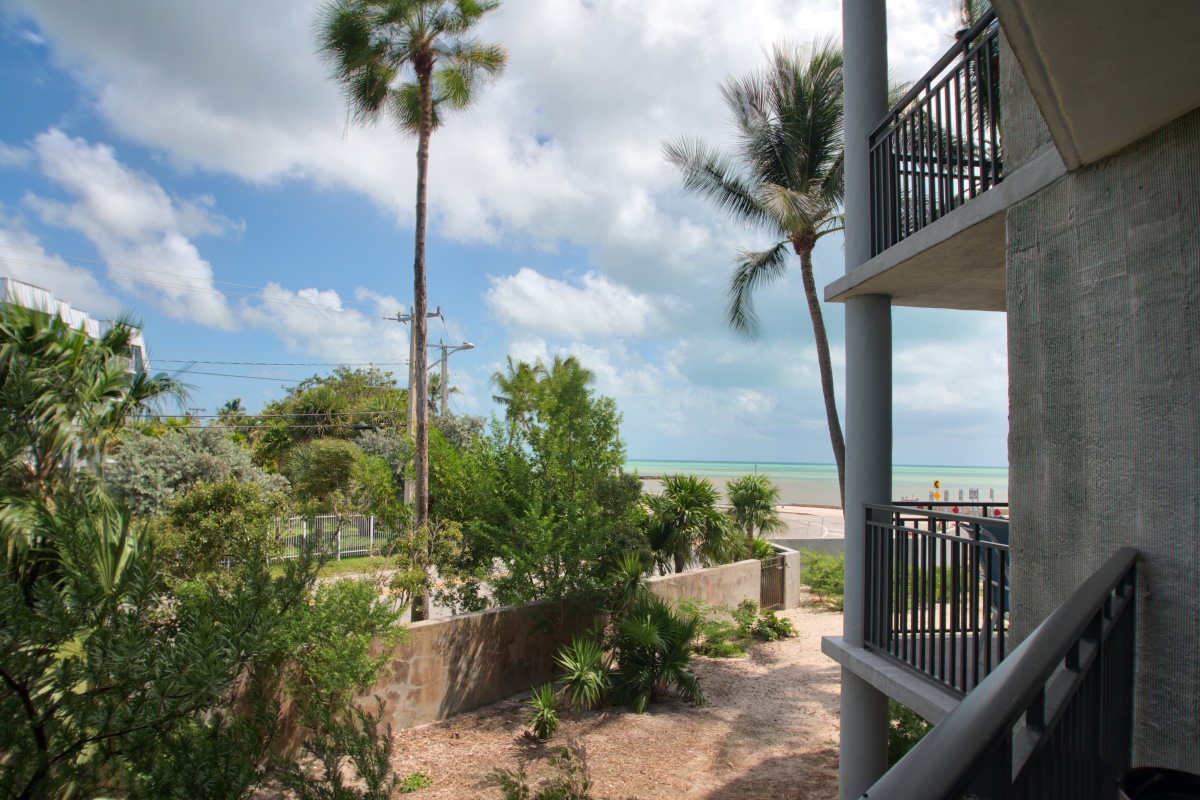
<point>940,145</point>
<point>1055,720</point>
<point>937,591</point>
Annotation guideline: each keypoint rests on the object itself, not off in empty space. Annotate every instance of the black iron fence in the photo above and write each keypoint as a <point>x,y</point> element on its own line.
<point>1055,720</point>
<point>940,145</point>
<point>937,591</point>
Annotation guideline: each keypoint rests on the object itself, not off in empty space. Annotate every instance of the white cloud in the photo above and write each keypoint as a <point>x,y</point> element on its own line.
<point>22,257</point>
<point>138,229</point>
<point>14,156</point>
<point>595,307</point>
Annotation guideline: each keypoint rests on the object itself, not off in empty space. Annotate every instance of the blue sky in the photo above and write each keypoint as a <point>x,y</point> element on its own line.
<point>200,149</point>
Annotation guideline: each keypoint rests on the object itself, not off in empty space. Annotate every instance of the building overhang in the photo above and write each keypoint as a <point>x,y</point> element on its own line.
<point>1107,72</point>
<point>957,261</point>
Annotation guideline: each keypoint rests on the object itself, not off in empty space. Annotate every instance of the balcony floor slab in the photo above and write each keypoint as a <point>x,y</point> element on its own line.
<point>929,699</point>
<point>957,261</point>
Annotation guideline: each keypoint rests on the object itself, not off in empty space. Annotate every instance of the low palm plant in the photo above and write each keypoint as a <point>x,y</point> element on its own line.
<point>585,673</point>
<point>654,650</point>
<point>544,705</point>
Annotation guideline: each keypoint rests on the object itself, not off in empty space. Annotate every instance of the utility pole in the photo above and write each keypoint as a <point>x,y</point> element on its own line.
<point>447,349</point>
<point>404,319</point>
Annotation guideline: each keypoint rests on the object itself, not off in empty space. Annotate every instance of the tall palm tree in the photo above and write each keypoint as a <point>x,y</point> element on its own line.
<point>752,501</point>
<point>518,387</point>
<point>784,177</point>
<point>685,523</point>
<point>410,60</point>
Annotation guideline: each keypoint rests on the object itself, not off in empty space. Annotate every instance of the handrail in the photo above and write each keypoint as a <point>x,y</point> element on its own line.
<point>984,720</point>
<point>947,516</point>
<point>925,81</point>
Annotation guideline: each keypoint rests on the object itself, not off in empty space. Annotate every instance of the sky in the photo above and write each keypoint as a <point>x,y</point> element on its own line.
<point>193,164</point>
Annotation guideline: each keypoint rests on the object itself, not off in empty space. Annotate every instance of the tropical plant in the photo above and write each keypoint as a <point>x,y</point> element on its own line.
<point>339,739</point>
<point>825,575</point>
<point>517,389</point>
<point>543,705</point>
<point>786,178</point>
<point>905,729</point>
<point>762,549</point>
<point>585,672</point>
<point>685,523</point>
<point>411,60</point>
<point>149,472</point>
<point>653,647</point>
<point>752,504</point>
<point>568,779</point>
<point>415,782</point>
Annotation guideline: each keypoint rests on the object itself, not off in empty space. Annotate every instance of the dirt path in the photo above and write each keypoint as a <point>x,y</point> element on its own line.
<point>769,730</point>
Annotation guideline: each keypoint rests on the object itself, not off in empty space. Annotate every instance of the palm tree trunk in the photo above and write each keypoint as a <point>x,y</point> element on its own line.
<point>420,608</point>
<point>680,563</point>
<point>804,250</point>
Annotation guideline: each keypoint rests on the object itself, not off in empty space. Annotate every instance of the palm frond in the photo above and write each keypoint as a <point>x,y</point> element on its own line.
<point>753,269</point>
<point>714,175</point>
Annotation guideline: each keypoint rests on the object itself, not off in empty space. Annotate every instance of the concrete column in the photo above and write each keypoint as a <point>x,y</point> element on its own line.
<point>868,427</point>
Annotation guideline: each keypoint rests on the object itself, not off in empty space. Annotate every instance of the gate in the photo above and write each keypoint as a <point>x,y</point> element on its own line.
<point>771,583</point>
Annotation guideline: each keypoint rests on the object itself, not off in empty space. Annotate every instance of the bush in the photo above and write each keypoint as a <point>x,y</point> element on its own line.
<point>544,705</point>
<point>415,781</point>
<point>654,649</point>
<point>769,627</point>
<point>824,574</point>
<point>352,737</point>
<point>586,680</point>
<point>717,635</point>
<point>568,780</point>
<point>905,729</point>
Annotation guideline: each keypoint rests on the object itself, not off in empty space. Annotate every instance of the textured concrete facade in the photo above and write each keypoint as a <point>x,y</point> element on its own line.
<point>726,585</point>
<point>1104,371</point>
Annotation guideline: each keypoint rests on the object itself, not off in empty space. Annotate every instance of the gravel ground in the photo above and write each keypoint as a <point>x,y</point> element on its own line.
<point>768,730</point>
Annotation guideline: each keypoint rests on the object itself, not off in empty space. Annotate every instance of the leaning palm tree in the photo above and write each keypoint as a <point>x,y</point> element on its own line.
<point>411,60</point>
<point>785,177</point>
<point>752,501</point>
<point>685,523</point>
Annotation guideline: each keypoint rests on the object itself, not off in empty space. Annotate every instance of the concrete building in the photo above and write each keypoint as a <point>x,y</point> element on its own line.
<point>1048,167</point>
<point>36,298</point>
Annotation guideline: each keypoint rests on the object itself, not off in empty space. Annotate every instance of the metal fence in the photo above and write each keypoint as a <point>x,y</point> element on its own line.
<point>1055,720</point>
<point>333,535</point>
<point>937,591</point>
<point>940,145</point>
<point>770,594</point>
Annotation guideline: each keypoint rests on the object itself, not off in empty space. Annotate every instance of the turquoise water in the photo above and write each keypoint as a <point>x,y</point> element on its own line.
<point>817,483</point>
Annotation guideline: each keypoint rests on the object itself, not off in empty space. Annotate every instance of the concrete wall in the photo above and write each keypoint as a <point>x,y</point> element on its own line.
<point>450,666</point>
<point>1022,125</point>
<point>726,585</point>
<point>1104,442</point>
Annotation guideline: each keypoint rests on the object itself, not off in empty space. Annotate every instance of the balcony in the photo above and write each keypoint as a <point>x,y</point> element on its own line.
<point>940,187</point>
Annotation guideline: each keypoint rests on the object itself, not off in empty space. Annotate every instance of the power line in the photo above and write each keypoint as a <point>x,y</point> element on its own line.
<point>280,363</point>
<point>183,373</point>
<point>113,265</point>
<point>198,289</point>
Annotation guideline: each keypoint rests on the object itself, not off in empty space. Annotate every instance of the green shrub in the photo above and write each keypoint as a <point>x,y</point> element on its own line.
<point>586,672</point>
<point>825,575</point>
<point>905,729</point>
<point>761,549</point>
<point>717,635</point>
<point>746,615</point>
<point>769,627</point>
<point>653,645</point>
<point>336,739</point>
<point>415,781</point>
<point>544,705</point>
<point>568,780</point>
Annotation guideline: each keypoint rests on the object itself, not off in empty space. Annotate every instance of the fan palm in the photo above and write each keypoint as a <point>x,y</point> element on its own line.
<point>752,501</point>
<point>685,523</point>
<point>411,60</point>
<point>785,178</point>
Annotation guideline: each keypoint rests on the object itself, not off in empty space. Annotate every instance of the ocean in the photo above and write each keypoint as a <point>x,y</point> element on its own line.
<point>816,484</point>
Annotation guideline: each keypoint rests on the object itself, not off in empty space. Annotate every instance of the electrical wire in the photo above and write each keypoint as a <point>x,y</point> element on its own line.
<point>113,265</point>
<point>198,289</point>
